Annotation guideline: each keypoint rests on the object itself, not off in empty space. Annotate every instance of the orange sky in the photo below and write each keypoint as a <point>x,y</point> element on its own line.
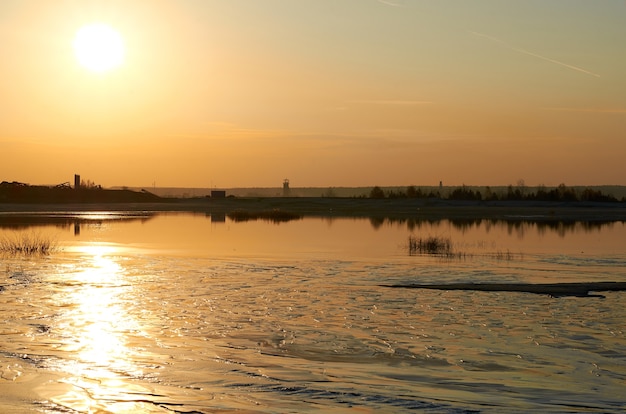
<point>234,93</point>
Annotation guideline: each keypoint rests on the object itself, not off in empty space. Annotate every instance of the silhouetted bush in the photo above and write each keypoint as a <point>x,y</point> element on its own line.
<point>589,194</point>
<point>377,192</point>
<point>464,193</point>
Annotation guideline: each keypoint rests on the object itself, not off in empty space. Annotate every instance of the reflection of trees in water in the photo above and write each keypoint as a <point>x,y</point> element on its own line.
<point>27,221</point>
<point>519,227</point>
<point>377,222</point>
<point>561,228</point>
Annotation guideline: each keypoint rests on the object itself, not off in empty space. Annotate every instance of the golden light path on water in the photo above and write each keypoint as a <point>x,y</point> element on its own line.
<point>95,330</point>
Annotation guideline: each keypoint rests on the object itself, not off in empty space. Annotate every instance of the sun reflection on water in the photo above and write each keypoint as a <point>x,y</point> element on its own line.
<point>96,330</point>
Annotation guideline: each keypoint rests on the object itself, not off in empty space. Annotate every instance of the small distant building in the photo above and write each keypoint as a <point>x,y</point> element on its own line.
<point>76,181</point>
<point>218,194</point>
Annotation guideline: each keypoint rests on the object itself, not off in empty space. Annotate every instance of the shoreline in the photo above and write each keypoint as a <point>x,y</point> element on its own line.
<point>419,209</point>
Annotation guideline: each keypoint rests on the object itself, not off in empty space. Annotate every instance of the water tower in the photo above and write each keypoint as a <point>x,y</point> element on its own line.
<point>286,190</point>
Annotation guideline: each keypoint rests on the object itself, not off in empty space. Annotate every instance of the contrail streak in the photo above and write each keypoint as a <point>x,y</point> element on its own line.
<point>538,56</point>
<point>390,3</point>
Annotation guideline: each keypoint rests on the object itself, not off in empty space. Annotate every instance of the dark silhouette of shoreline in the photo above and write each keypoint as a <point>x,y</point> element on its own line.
<point>16,197</point>
<point>18,193</point>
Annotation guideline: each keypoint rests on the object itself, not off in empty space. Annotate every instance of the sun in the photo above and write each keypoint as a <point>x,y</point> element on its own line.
<point>99,47</point>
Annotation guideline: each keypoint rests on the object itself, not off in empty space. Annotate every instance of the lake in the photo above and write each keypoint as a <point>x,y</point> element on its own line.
<point>193,313</point>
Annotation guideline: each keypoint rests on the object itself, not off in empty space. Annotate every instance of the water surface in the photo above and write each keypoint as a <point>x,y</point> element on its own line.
<point>188,313</point>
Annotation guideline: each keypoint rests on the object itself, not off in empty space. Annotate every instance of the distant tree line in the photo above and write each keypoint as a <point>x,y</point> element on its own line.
<point>519,192</point>
<point>411,192</point>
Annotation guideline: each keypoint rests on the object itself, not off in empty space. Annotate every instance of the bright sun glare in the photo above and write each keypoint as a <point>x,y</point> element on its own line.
<point>99,47</point>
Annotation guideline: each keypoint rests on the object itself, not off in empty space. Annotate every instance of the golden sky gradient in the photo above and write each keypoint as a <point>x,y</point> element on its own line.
<point>234,93</point>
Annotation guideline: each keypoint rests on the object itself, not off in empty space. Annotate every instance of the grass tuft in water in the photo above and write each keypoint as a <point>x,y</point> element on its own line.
<point>430,245</point>
<point>27,243</point>
<point>442,247</point>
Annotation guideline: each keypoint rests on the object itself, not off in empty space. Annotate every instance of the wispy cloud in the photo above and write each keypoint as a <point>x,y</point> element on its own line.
<point>587,110</point>
<point>536,55</point>
<point>394,102</point>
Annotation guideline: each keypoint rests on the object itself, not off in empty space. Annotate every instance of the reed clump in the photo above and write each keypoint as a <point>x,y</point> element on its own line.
<point>27,243</point>
<point>440,246</point>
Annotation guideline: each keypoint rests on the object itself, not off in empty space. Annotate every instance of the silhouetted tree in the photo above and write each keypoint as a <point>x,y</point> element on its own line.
<point>542,193</point>
<point>411,192</point>
<point>490,195</point>
<point>521,188</point>
<point>377,192</point>
<point>464,193</point>
<point>565,193</point>
<point>589,194</point>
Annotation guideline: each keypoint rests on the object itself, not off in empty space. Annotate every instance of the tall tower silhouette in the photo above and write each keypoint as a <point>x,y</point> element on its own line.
<point>286,190</point>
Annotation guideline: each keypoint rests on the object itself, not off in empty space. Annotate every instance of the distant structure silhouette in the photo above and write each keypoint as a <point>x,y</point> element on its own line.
<point>76,181</point>
<point>286,190</point>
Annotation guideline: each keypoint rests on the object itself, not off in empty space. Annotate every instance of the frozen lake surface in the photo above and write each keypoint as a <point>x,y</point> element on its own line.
<point>187,313</point>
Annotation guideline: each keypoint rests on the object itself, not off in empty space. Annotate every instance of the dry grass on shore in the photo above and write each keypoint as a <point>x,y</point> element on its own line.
<point>27,244</point>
